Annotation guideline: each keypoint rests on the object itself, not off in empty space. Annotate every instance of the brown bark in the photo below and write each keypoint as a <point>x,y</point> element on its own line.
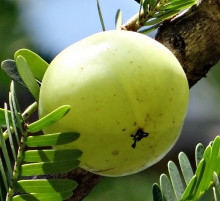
<point>86,182</point>
<point>194,38</point>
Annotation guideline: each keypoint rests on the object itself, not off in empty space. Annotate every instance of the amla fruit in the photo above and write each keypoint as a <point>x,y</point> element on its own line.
<point>128,96</point>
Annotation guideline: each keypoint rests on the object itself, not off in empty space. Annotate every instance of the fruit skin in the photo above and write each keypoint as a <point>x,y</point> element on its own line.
<point>117,82</point>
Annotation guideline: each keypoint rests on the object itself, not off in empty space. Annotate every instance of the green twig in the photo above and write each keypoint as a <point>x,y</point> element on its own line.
<point>26,114</point>
<point>17,166</point>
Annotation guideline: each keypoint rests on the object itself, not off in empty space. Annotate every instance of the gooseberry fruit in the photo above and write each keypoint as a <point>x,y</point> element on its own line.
<point>128,96</point>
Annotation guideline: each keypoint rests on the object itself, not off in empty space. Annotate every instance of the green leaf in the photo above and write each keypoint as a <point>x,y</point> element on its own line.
<point>157,194</point>
<point>199,175</point>
<point>185,167</point>
<point>51,139</point>
<point>160,18</point>
<point>140,9</point>
<point>179,5</point>
<point>6,155</point>
<point>204,185</point>
<point>100,16</point>
<point>188,191</point>
<point>51,155</point>
<point>37,65</point>
<point>10,133</point>
<point>217,184</point>
<point>205,176</point>
<point>2,117</point>
<point>13,118</point>
<point>118,19</point>
<point>27,76</point>
<point>10,68</point>
<point>2,195</point>
<point>153,4</point>
<point>45,186</point>
<point>45,168</point>
<point>146,7</point>
<point>199,153</point>
<point>216,188</point>
<point>167,189</point>
<point>176,180</point>
<point>15,106</point>
<point>3,176</point>
<point>43,196</point>
<point>49,119</point>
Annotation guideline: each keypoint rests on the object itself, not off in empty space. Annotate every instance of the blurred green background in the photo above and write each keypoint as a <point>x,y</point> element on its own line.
<point>47,27</point>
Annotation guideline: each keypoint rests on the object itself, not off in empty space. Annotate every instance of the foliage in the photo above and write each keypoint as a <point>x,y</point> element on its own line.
<point>204,183</point>
<point>154,12</point>
<point>17,173</point>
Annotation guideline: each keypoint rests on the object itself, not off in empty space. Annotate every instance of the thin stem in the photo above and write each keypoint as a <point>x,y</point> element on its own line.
<point>16,171</point>
<point>17,167</point>
<point>29,111</point>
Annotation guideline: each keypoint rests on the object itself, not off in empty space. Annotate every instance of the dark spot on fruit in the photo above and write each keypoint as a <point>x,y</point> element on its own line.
<point>123,130</point>
<point>115,153</point>
<point>135,123</point>
<point>131,62</point>
<point>140,134</point>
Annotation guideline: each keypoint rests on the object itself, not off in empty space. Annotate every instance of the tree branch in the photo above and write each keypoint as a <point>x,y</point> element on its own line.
<point>194,38</point>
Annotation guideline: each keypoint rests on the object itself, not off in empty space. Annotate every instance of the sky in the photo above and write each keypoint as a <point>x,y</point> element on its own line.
<point>54,24</point>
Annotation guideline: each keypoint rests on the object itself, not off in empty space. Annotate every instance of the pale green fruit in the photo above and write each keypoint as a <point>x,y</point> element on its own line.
<point>117,82</point>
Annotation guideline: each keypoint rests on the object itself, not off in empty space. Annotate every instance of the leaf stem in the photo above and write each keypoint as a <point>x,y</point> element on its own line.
<point>17,166</point>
